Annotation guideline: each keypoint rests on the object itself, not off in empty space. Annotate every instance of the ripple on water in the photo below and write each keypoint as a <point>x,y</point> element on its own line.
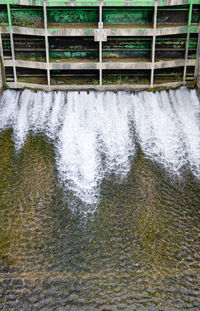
<point>139,251</point>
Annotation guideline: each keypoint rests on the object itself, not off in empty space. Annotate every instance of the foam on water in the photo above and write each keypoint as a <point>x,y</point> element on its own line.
<point>94,134</point>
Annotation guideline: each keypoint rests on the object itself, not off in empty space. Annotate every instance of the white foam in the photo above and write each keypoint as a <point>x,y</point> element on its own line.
<point>93,133</point>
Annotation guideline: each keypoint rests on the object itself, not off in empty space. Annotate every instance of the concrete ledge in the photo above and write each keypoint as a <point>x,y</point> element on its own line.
<point>174,63</point>
<point>108,31</point>
<point>97,66</point>
<point>50,32</point>
<point>74,32</point>
<point>115,88</point>
<point>121,65</point>
<point>69,66</point>
<point>25,64</point>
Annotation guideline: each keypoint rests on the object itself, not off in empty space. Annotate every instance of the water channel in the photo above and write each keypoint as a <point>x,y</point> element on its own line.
<point>99,201</point>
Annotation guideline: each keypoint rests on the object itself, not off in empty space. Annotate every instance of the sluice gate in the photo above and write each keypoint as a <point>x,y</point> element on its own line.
<point>102,45</point>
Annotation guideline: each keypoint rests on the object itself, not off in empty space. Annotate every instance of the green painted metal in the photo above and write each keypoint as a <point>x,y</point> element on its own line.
<point>65,55</point>
<point>171,15</point>
<point>195,14</point>
<point>64,48</point>
<point>193,43</point>
<point>29,48</point>
<point>72,15</point>
<point>27,16</point>
<point>128,16</point>
<point>3,15</point>
<point>190,15</point>
<point>128,47</point>
<point>6,45</point>
<point>97,2</point>
<point>127,43</point>
<point>9,15</point>
<point>170,44</point>
<point>29,13</point>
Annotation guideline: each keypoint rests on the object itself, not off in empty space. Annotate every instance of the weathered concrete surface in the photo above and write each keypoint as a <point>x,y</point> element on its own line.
<point>107,65</point>
<point>100,88</point>
<point>111,31</point>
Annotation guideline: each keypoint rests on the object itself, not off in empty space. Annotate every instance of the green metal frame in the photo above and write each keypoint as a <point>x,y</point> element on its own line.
<point>113,16</point>
<point>98,2</point>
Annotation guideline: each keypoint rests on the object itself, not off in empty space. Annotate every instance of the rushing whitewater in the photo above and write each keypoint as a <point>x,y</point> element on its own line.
<point>96,134</point>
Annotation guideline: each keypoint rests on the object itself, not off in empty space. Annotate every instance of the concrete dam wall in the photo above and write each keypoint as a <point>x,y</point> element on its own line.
<point>101,45</point>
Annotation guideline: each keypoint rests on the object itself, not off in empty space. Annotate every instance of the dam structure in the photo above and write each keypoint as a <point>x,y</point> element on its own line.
<point>99,45</point>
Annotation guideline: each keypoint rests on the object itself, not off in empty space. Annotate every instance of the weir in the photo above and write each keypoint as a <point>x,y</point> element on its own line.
<point>99,200</point>
<point>97,134</point>
<point>99,45</point>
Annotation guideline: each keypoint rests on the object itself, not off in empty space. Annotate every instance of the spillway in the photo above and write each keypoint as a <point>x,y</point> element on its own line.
<point>99,201</point>
<point>98,134</point>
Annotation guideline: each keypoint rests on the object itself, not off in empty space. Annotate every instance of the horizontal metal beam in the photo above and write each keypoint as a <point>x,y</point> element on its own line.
<point>98,2</point>
<point>114,32</point>
<point>95,66</point>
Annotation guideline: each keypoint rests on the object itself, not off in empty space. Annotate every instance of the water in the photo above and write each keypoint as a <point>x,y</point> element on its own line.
<point>96,134</point>
<point>99,201</point>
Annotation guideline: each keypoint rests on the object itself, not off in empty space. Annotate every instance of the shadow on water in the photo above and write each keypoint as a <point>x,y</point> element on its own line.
<point>140,251</point>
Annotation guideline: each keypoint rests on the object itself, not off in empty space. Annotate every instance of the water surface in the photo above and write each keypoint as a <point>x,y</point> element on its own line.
<point>99,204</point>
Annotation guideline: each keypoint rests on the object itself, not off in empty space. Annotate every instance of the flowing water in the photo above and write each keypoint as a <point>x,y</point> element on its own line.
<point>100,201</point>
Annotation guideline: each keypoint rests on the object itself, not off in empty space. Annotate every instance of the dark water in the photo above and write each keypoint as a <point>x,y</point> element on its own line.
<point>139,251</point>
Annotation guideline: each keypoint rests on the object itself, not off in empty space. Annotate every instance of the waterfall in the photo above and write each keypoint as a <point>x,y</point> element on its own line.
<point>96,134</point>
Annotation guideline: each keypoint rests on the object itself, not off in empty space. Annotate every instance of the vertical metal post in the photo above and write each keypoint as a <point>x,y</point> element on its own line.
<point>46,43</point>
<point>100,26</point>
<point>13,55</point>
<point>12,42</point>
<point>155,16</point>
<point>9,15</point>
<point>153,59</point>
<point>197,68</point>
<point>1,48</point>
<point>187,42</point>
<point>100,62</point>
<point>153,43</point>
<point>1,59</point>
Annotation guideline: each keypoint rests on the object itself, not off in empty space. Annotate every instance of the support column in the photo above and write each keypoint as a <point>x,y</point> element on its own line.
<point>1,48</point>
<point>153,43</point>
<point>198,74</point>
<point>100,26</point>
<point>46,43</point>
<point>197,68</point>
<point>12,42</point>
<point>1,82</point>
<point>187,42</point>
<point>100,62</point>
<point>2,69</point>
<point>1,60</point>
<point>9,15</point>
<point>13,55</point>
